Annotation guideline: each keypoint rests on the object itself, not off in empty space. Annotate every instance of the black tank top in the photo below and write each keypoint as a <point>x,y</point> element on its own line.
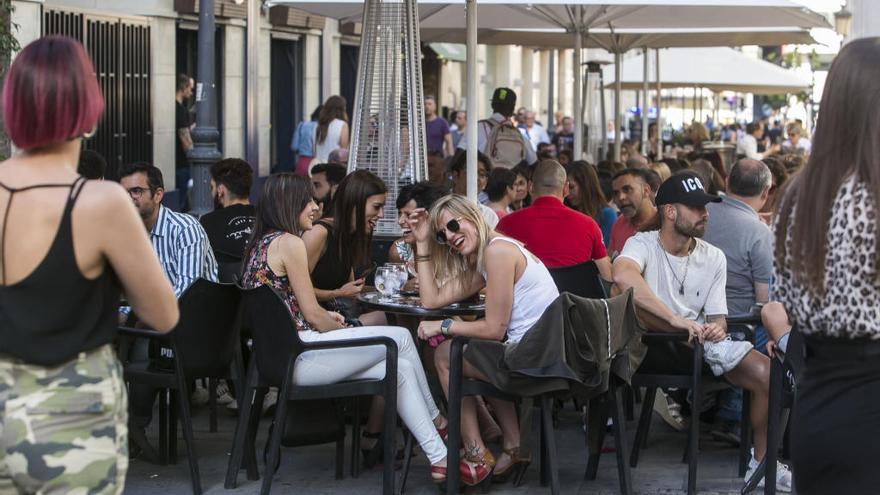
<point>55,312</point>
<point>330,272</point>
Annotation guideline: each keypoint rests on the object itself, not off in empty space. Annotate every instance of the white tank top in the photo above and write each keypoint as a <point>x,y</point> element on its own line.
<point>532,293</point>
<point>334,131</point>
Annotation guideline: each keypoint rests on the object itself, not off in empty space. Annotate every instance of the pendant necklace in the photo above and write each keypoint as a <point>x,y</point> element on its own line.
<point>672,270</point>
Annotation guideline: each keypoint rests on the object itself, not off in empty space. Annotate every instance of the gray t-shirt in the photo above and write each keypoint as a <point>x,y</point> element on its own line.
<point>734,227</point>
<point>704,275</point>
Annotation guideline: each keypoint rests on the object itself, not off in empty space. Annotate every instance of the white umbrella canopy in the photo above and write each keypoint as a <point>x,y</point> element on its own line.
<point>626,39</point>
<point>717,69</point>
<point>582,15</point>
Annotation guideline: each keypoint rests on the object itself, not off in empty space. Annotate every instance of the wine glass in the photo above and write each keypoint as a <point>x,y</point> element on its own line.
<point>401,271</point>
<point>386,281</point>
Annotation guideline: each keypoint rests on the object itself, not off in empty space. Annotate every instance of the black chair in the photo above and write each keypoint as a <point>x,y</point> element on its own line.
<point>743,323</point>
<point>652,382</point>
<point>459,387</point>
<point>204,344</point>
<point>276,348</point>
<point>583,280</point>
<point>784,371</point>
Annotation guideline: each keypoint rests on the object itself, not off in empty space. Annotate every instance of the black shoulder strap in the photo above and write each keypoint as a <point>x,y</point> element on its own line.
<point>75,189</point>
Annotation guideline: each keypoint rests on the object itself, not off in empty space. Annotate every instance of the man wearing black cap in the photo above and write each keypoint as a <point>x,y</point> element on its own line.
<point>679,285</point>
<point>498,138</point>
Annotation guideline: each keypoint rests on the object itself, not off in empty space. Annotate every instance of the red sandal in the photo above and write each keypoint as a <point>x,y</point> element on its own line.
<point>479,471</point>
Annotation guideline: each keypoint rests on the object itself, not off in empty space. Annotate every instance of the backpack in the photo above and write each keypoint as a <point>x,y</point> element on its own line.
<point>505,145</point>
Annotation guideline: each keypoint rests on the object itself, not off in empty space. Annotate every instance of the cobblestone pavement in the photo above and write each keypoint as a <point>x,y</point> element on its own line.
<point>310,470</point>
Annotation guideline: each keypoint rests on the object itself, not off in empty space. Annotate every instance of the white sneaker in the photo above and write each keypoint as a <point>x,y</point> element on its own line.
<point>199,395</point>
<point>783,475</point>
<point>725,355</point>
<point>223,395</point>
<point>270,400</point>
<point>668,410</point>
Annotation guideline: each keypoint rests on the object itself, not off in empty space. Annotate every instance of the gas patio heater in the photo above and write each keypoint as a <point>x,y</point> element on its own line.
<point>388,125</point>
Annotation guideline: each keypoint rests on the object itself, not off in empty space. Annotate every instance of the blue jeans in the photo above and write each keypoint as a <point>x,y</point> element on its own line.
<point>181,179</point>
<point>730,404</point>
<point>761,339</point>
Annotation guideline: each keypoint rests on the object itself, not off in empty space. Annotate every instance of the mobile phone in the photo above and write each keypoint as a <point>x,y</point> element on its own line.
<point>366,273</point>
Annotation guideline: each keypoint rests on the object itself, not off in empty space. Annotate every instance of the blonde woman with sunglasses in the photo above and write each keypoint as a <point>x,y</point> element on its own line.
<point>459,255</point>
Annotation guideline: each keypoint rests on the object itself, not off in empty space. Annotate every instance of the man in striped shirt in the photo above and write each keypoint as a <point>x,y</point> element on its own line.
<point>185,254</point>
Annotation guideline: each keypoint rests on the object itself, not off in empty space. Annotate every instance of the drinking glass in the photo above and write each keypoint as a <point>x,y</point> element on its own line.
<point>387,282</point>
<point>401,271</point>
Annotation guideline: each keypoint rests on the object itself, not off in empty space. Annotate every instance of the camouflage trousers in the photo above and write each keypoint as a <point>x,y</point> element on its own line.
<point>63,429</point>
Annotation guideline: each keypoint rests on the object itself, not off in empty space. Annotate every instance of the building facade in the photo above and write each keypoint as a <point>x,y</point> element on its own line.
<point>139,47</point>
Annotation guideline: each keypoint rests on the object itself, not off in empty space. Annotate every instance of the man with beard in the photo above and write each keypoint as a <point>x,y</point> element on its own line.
<point>631,192</point>
<point>325,179</point>
<point>184,252</point>
<point>230,225</point>
<point>679,283</point>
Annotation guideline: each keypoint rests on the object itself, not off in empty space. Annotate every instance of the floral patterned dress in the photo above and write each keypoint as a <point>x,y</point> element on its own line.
<point>257,272</point>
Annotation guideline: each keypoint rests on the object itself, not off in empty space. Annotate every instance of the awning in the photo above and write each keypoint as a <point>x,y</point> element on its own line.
<point>450,51</point>
<point>717,69</point>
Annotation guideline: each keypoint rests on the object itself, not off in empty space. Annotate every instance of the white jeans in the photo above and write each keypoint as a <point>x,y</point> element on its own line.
<point>414,402</point>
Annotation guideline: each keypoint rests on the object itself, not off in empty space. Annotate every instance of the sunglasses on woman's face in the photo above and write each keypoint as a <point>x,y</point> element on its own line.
<point>451,226</point>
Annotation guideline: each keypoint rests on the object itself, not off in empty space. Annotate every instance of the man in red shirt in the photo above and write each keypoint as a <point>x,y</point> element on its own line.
<point>556,234</point>
<point>631,193</point>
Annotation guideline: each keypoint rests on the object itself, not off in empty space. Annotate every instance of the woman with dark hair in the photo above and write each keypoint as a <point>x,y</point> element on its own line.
<point>712,180</point>
<point>331,133</point>
<point>826,276</point>
<point>501,191</point>
<point>339,244</point>
<point>303,143</point>
<point>66,244</point>
<point>780,177</point>
<point>412,196</point>
<point>585,195</point>
<point>522,186</point>
<point>277,257</point>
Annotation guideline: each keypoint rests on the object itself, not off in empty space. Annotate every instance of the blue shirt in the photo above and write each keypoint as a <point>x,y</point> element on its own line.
<point>607,217</point>
<point>182,247</point>
<point>303,138</point>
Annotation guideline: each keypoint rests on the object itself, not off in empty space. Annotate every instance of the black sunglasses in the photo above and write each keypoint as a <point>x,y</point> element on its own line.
<point>451,226</point>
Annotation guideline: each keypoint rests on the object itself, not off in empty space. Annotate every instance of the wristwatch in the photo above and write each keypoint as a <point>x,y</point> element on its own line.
<point>445,325</point>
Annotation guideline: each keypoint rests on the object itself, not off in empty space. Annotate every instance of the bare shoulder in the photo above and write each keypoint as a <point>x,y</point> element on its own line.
<point>317,233</point>
<point>103,198</point>
<point>290,243</point>
<point>502,253</point>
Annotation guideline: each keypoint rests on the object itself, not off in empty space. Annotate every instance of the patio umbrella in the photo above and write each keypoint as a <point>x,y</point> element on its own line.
<point>577,19</point>
<point>718,69</point>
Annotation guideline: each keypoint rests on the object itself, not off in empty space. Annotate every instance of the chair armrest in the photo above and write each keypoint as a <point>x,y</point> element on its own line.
<point>388,342</point>
<point>648,337</point>
<point>390,358</point>
<point>142,332</point>
<point>744,319</point>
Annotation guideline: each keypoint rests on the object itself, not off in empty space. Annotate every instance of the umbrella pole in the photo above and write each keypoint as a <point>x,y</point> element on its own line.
<point>617,88</point>
<point>659,103</point>
<point>471,129</point>
<point>645,105</point>
<point>578,102</point>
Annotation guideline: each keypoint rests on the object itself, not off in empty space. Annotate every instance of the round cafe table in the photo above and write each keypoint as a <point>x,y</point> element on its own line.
<point>410,305</point>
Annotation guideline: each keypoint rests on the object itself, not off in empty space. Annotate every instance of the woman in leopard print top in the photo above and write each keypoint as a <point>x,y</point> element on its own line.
<point>826,275</point>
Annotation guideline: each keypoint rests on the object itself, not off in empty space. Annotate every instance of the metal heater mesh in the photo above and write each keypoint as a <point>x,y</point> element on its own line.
<point>388,128</point>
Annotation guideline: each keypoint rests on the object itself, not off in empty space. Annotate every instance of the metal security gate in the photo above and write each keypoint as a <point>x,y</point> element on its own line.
<point>120,51</point>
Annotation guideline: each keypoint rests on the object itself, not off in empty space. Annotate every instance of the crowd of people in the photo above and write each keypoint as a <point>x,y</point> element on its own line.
<point>692,238</point>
